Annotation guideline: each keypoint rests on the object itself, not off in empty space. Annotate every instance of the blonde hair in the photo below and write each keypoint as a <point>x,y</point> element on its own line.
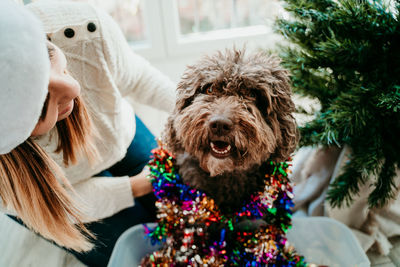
<point>29,183</point>
<point>75,135</point>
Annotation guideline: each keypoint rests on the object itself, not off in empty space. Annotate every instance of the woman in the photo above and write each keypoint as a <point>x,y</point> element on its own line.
<point>68,126</point>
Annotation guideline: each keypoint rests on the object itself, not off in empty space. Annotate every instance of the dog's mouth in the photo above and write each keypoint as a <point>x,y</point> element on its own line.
<point>220,149</point>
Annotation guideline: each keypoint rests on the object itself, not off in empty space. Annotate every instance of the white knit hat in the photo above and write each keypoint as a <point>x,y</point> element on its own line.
<point>24,74</point>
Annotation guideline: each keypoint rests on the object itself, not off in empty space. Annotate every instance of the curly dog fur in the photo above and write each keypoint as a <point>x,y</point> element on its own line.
<point>233,113</point>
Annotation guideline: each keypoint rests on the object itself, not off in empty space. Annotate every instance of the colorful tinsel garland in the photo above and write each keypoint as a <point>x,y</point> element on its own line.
<point>196,233</point>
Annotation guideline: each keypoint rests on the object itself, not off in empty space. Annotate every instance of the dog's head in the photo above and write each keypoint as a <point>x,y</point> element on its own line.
<point>233,112</point>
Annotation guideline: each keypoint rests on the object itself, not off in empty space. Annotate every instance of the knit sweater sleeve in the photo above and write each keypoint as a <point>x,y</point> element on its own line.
<point>103,197</point>
<point>98,197</point>
<point>133,75</point>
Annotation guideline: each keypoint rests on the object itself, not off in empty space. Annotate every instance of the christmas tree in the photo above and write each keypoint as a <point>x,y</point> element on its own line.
<point>347,55</point>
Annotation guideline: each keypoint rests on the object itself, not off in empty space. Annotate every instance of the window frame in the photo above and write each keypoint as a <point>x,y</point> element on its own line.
<point>165,41</point>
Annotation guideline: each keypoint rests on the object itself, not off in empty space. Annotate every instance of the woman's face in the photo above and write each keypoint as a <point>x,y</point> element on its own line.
<point>63,89</point>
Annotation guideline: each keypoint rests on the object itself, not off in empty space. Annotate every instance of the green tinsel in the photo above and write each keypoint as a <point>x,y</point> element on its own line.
<point>347,54</point>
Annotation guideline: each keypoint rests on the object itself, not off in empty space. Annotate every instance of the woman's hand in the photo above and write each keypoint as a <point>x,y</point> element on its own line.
<point>140,184</point>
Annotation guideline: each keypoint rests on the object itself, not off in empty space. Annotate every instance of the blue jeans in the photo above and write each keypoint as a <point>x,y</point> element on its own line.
<point>109,229</point>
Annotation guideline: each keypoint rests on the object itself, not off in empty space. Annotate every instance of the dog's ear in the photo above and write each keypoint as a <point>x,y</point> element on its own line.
<point>169,138</point>
<point>187,88</point>
<point>185,93</point>
<point>283,108</point>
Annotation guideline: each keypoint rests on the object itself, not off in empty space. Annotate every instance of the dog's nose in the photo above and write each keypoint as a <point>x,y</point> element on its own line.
<point>220,125</point>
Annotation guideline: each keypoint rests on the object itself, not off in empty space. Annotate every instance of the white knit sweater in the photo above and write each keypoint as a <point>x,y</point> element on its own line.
<point>109,73</point>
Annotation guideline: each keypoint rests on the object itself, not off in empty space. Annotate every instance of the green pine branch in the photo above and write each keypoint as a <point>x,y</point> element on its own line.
<point>346,186</point>
<point>385,187</point>
<point>390,101</point>
<point>346,54</point>
<point>356,172</point>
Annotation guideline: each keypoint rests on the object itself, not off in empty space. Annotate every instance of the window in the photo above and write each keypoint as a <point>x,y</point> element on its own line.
<point>165,31</point>
<point>195,26</point>
<point>197,16</point>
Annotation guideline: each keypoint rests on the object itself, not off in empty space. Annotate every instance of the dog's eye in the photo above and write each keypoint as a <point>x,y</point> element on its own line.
<point>252,94</point>
<point>208,89</point>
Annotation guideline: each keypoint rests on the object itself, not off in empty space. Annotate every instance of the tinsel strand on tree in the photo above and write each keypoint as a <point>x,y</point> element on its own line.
<point>347,55</point>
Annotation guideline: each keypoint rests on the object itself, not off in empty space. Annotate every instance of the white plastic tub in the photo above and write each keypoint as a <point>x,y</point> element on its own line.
<point>321,240</point>
<point>325,241</point>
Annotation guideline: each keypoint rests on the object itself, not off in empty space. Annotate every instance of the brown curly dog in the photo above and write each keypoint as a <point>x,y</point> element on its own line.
<point>233,113</point>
